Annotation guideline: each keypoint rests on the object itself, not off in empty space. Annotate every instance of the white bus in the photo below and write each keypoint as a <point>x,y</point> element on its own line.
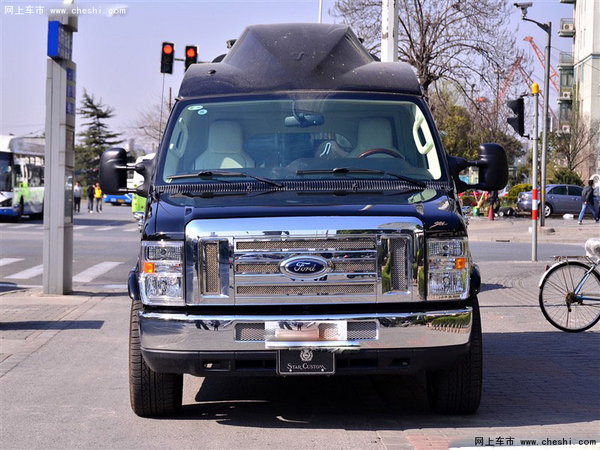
<point>21,176</point>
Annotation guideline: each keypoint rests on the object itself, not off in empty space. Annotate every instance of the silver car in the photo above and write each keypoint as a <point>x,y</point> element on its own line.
<point>560,199</point>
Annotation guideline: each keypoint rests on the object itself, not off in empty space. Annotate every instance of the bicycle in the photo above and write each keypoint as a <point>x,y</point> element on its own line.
<point>570,290</point>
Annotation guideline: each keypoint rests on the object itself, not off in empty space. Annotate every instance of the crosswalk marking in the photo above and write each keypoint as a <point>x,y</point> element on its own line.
<point>28,273</point>
<point>6,261</point>
<point>95,271</point>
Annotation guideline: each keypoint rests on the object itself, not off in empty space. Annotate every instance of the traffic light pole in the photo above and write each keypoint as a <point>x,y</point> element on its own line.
<point>535,90</point>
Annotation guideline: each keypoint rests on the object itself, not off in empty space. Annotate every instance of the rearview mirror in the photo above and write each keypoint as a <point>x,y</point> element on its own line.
<point>113,171</point>
<point>493,169</point>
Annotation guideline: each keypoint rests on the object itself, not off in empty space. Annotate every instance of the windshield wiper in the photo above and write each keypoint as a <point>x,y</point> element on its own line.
<point>222,173</point>
<point>350,170</point>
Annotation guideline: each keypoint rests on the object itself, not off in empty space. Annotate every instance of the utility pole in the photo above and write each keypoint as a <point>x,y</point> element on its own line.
<point>535,90</point>
<point>389,30</point>
<point>548,29</point>
<point>60,155</point>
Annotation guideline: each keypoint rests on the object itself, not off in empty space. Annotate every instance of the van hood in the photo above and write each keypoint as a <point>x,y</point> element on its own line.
<point>436,210</point>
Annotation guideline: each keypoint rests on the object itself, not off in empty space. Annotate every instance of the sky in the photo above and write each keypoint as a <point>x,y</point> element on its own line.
<point>118,55</point>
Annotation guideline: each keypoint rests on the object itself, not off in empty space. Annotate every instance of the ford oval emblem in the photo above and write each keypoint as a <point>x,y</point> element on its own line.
<point>304,267</point>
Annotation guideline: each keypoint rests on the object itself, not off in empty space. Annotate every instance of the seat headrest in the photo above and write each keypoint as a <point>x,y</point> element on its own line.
<point>374,133</point>
<point>225,136</point>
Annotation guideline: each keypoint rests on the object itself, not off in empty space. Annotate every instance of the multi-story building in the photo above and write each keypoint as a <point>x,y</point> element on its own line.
<point>580,76</point>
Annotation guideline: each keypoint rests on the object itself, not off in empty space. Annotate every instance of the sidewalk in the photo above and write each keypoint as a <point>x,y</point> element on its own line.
<point>556,230</point>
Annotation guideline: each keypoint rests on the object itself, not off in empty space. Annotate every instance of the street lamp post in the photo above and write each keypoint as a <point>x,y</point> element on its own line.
<point>547,27</point>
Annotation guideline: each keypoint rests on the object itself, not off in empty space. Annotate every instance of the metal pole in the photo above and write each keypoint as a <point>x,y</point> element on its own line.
<point>545,125</point>
<point>320,11</point>
<point>535,90</point>
<point>389,30</point>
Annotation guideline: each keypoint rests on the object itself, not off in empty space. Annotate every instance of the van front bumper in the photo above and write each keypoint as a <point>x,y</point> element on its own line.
<point>385,343</point>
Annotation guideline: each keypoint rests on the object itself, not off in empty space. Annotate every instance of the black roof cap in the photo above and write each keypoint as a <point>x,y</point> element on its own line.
<point>306,56</point>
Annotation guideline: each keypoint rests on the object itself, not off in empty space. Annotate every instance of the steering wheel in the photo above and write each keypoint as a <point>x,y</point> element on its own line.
<point>381,151</point>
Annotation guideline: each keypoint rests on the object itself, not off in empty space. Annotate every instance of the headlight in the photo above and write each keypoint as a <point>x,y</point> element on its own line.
<point>161,274</point>
<point>449,268</point>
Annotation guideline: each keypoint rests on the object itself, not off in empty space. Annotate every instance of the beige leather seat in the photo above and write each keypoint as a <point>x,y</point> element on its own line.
<point>373,132</point>
<point>225,148</point>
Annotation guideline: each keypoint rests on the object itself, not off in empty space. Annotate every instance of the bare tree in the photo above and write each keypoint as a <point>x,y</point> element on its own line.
<point>150,124</point>
<point>458,41</point>
<point>577,150</point>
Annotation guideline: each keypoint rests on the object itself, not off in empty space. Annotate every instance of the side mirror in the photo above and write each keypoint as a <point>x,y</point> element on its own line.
<point>144,168</point>
<point>493,169</point>
<point>113,171</point>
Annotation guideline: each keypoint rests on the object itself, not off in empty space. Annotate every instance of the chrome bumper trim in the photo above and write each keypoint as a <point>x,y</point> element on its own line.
<point>411,330</point>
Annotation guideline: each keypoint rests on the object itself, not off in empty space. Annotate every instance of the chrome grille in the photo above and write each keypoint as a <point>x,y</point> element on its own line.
<point>399,257</point>
<point>362,330</point>
<point>309,244</point>
<point>250,332</point>
<point>357,331</point>
<point>338,267</point>
<point>306,289</point>
<point>211,268</point>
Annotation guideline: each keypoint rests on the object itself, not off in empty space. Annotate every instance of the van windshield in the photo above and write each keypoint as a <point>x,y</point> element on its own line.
<point>305,137</point>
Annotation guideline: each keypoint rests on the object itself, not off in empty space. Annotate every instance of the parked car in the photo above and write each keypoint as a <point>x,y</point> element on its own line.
<point>560,199</point>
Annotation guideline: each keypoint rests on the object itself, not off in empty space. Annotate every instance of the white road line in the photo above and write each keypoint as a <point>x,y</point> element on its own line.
<point>28,273</point>
<point>79,227</point>
<point>5,261</point>
<point>105,228</point>
<point>131,229</point>
<point>95,271</point>
<point>25,225</point>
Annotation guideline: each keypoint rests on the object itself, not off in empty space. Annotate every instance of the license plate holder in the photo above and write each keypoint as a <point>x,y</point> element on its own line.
<point>305,361</point>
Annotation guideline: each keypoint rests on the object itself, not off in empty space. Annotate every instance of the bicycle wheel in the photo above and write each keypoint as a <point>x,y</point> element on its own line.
<point>558,303</point>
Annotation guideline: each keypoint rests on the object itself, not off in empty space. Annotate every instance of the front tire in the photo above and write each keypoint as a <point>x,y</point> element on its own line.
<point>457,390</point>
<point>548,210</point>
<point>150,393</point>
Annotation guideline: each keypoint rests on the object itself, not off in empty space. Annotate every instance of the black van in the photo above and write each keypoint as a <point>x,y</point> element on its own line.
<point>302,218</point>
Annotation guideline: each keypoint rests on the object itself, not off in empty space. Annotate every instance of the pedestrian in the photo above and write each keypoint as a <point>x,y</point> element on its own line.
<point>98,197</point>
<point>77,197</point>
<point>587,201</point>
<point>90,198</point>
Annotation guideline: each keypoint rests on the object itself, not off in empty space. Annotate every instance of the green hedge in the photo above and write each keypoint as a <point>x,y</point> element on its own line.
<point>514,191</point>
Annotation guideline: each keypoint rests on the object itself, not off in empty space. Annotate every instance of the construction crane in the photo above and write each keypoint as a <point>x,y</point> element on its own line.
<point>508,80</point>
<point>529,81</point>
<point>554,78</point>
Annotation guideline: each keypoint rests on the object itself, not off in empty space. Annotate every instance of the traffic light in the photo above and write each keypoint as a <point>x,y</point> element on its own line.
<point>517,122</point>
<point>166,57</point>
<point>191,55</point>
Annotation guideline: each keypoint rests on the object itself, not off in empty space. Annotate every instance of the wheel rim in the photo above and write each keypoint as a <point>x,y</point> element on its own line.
<point>547,211</point>
<point>559,304</point>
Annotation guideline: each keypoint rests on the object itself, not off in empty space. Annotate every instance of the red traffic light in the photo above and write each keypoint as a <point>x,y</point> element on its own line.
<point>167,57</point>
<point>191,55</point>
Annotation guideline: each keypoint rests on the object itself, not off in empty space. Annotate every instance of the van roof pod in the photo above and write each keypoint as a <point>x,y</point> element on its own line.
<point>298,57</point>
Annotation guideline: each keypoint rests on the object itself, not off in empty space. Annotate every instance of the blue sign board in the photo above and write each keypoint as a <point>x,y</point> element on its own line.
<point>60,41</point>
